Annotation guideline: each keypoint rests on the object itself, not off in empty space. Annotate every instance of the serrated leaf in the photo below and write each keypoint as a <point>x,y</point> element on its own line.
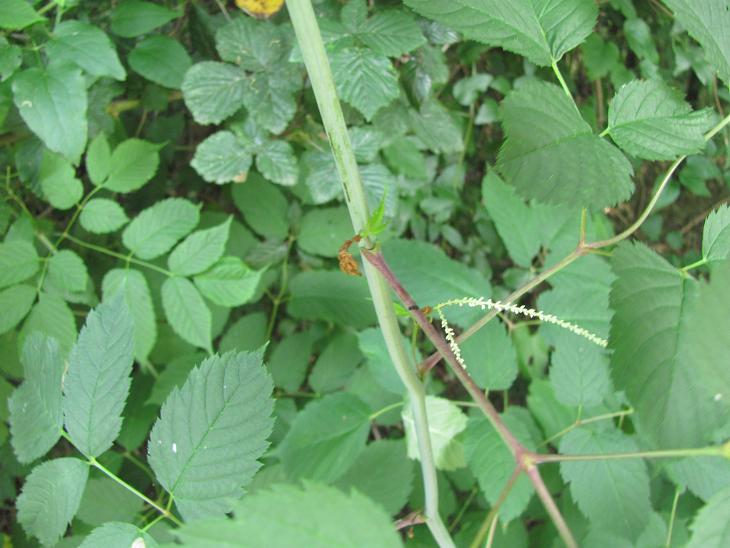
<point>541,30</point>
<point>133,163</point>
<point>156,229</point>
<point>579,374</point>
<point>716,235</point>
<point>493,464</point>
<point>289,360</point>
<point>18,14</point>
<point>324,230</point>
<point>490,357</point>
<point>58,181</point>
<point>36,415</point>
<point>253,45</point>
<point>105,500</point>
<point>213,91</point>
<point>133,285</point>
<point>135,17</point>
<point>273,517</point>
<point>51,497</point>
<point>161,59</point>
<point>204,447</point>
<point>653,357</point>
<point>433,124</point>
<point>52,101</point>
<point>229,282</point>
<point>18,262</point>
<point>704,476</point>
<point>364,79</point>
<point>200,250</point>
<point>86,46</point>
<point>101,216</point>
<point>650,120</point>
<point>118,535</point>
<point>326,438</point>
<point>269,96</point>
<point>98,379</point>
<point>276,161</point>
<point>392,33</point>
<point>263,205</point>
<point>707,22</point>
<point>335,364</point>
<point>222,158</point>
<point>67,271</point>
<point>710,528</point>
<point>51,316</point>
<point>613,494</point>
<point>445,422</point>
<point>186,312</point>
<point>552,154</point>
<point>15,302</point>
<point>331,296</point>
<point>98,157</point>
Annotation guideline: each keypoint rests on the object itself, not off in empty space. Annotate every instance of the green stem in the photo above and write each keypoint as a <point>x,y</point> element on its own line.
<point>605,132</point>
<point>581,422</point>
<point>694,265</point>
<point>712,451</point>
<point>385,409</point>
<point>494,511</point>
<point>79,209</point>
<point>119,256</point>
<point>320,75</point>
<point>563,84</point>
<point>673,516</point>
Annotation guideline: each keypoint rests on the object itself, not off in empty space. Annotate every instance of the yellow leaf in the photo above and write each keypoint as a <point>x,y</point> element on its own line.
<point>261,9</point>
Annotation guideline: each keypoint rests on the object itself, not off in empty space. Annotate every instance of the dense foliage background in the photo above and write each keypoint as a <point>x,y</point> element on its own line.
<point>164,165</point>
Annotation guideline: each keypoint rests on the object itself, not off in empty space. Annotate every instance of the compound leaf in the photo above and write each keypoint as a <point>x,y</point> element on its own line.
<point>86,46</point>
<point>222,158</point>
<point>213,91</point>
<point>200,250</point>
<point>716,235</point>
<point>186,312</point>
<point>101,216</point>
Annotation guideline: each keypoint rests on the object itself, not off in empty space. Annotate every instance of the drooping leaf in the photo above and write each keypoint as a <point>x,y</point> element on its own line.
<point>133,285</point>
<point>161,59</point>
<point>273,517</point>
<point>613,494</point>
<point>200,250</point>
<point>541,30</point>
<point>15,302</point>
<point>552,154</point>
<point>86,46</point>
<point>213,91</point>
<point>186,312</point>
<point>51,497</point>
<point>710,528</point>
<point>98,379</point>
<point>650,120</point>
<point>229,282</point>
<point>132,164</point>
<point>114,534</point>
<point>36,415</point>
<point>101,216</point>
<point>326,438</point>
<point>707,21</point>
<point>445,422</point>
<point>204,448</point>
<point>716,235</point>
<point>156,229</point>
<point>18,262</point>
<point>222,158</point>
<point>132,18</point>
<point>52,101</point>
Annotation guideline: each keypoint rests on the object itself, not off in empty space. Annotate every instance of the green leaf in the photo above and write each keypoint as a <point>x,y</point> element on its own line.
<point>36,415</point>
<point>264,206</point>
<point>52,102</point>
<point>445,422</point>
<point>200,250</point>
<point>383,473</point>
<point>613,494</point>
<point>640,39</point>
<point>247,333</point>
<point>222,158</point>
<point>186,312</point>
<point>707,22</point>
<point>98,379</point>
<point>18,262</point>
<point>392,33</point>
<point>716,235</point>
<point>331,296</point>
<point>134,17</point>
<point>434,126</point>
<point>133,163</point>
<point>654,357</point>
<point>515,222</point>
<point>377,360</point>
<point>541,30</point>
<point>650,120</point>
<point>17,14</point>
<point>276,161</point>
<point>324,230</point>
<point>432,277</point>
<point>253,45</point>
<point>552,154</point>
<point>335,364</point>
<point>213,91</point>
<point>704,476</point>
<point>326,438</point>
<point>404,157</point>
<point>98,158</point>
<point>113,535</point>
<point>58,181</point>
<point>273,517</point>
<point>156,229</point>
<point>86,46</point>
<point>101,216</point>
<point>364,79</point>
<point>204,447</point>
<point>269,96</point>
<point>133,285</point>
<point>229,282</point>
<point>10,61</point>
<point>105,500</point>
<point>67,271</point>
<point>490,357</point>
<point>469,89</point>
<point>289,360</point>
<point>15,302</point>
<point>710,528</point>
<point>579,374</point>
<point>51,316</point>
<point>51,497</point>
<point>162,60</point>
